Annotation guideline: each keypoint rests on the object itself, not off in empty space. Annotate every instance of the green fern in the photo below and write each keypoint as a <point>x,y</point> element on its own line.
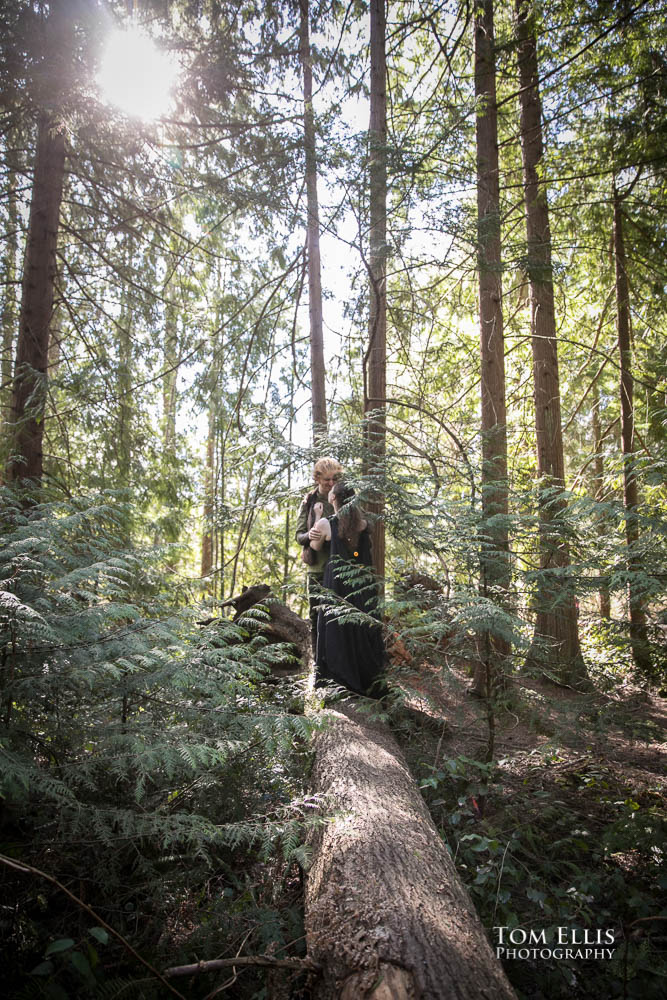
<point>138,748</point>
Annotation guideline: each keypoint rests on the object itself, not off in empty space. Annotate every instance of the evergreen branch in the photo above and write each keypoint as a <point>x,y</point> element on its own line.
<point>580,52</point>
<point>446,428</point>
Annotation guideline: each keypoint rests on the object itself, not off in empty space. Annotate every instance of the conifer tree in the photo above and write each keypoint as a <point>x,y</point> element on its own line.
<point>556,611</point>
<point>317,370</point>
<point>39,268</point>
<point>9,313</point>
<point>638,634</point>
<point>598,478</point>
<point>494,556</point>
<point>375,361</point>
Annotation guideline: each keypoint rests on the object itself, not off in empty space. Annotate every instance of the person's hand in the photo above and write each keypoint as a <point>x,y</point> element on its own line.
<point>316,535</point>
<point>318,508</point>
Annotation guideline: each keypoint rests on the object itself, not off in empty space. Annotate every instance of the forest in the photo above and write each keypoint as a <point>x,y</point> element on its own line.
<point>427,238</point>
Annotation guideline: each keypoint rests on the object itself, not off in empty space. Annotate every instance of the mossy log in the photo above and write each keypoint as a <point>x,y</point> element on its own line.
<point>387,917</point>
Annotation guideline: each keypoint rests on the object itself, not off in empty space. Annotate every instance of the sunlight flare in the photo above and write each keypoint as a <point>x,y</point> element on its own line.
<point>136,76</point>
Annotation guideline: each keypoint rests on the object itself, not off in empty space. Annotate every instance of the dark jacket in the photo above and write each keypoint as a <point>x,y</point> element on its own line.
<point>305,521</point>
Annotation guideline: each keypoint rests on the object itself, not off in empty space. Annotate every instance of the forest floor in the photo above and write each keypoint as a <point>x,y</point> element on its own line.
<point>626,731</point>
<point>564,829</point>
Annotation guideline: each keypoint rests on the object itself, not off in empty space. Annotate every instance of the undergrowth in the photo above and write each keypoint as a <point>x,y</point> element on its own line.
<point>149,769</point>
<point>560,840</point>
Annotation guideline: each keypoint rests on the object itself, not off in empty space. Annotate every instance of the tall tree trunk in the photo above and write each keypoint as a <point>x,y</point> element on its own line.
<point>375,361</point>
<point>39,270</point>
<point>556,605</point>
<point>287,556</point>
<point>598,482</point>
<point>318,387</point>
<point>9,307</point>
<point>124,428</point>
<point>209,501</point>
<point>212,543</point>
<point>221,496</point>
<point>246,518</point>
<point>171,362</point>
<point>494,548</point>
<point>638,637</point>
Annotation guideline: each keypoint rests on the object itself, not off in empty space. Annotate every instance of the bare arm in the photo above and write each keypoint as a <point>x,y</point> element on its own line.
<point>320,533</point>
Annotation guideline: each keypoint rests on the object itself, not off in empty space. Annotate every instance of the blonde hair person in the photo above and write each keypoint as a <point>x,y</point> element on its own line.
<point>314,506</point>
<point>327,471</point>
<point>349,653</point>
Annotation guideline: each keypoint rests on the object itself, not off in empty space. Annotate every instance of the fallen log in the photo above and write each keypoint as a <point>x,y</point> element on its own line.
<point>283,625</point>
<point>421,588</point>
<point>387,917</point>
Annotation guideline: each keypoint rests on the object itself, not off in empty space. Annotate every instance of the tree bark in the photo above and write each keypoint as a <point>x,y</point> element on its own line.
<point>638,637</point>
<point>287,536</point>
<point>123,444</point>
<point>495,568</point>
<point>209,503</point>
<point>556,605</point>
<point>318,387</point>
<point>9,304</point>
<point>39,270</point>
<point>171,365</point>
<point>598,481</point>
<point>375,361</point>
<point>386,915</point>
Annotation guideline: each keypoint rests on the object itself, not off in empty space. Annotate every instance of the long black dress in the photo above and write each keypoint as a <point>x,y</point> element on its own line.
<point>350,653</point>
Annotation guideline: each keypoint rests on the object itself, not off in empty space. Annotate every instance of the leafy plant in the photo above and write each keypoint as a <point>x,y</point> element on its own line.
<point>532,857</point>
<point>145,760</point>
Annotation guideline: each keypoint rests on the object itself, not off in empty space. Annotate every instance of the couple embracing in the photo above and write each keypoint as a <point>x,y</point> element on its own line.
<point>335,536</point>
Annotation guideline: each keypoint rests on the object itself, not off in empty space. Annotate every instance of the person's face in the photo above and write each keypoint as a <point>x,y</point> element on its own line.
<point>325,483</point>
<point>332,499</point>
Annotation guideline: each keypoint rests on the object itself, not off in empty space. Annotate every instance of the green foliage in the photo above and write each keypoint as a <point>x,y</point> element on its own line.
<point>145,760</point>
<point>571,848</point>
<point>145,757</point>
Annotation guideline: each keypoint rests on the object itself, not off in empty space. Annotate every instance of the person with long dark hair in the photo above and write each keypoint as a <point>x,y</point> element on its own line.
<point>316,505</point>
<point>350,648</point>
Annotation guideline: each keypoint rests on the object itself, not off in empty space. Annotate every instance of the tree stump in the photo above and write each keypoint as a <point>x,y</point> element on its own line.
<point>284,625</point>
<point>387,917</point>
